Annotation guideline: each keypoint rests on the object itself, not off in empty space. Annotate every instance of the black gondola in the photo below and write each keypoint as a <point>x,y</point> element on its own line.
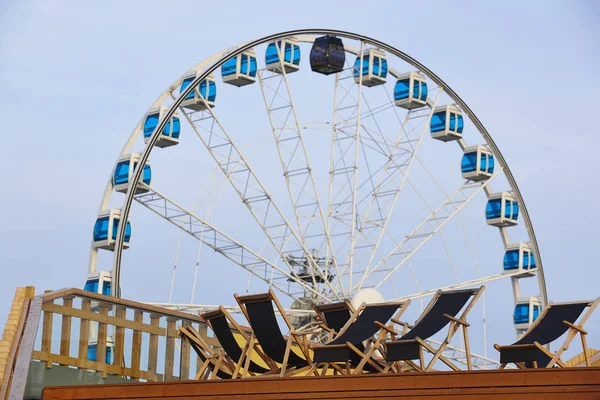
<point>327,55</point>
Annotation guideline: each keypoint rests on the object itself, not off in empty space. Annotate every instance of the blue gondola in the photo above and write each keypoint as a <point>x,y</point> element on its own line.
<point>410,91</point>
<point>170,134</point>
<point>289,50</point>
<point>106,228</point>
<point>519,257</point>
<point>124,170</point>
<point>203,96</point>
<point>99,283</point>
<point>446,123</point>
<point>93,348</point>
<point>502,210</point>
<point>327,55</point>
<point>240,70</point>
<point>527,310</point>
<point>374,68</point>
<point>477,163</point>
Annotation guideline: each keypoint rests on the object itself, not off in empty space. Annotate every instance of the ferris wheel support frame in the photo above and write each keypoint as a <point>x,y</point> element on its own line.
<point>219,59</point>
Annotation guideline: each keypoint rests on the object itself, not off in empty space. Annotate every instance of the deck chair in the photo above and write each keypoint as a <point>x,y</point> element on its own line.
<point>212,360</point>
<point>334,316</point>
<point>259,312</point>
<point>556,320</point>
<point>221,322</point>
<point>366,322</point>
<point>441,311</point>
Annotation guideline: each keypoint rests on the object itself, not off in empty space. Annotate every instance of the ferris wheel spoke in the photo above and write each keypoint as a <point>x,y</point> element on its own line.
<point>460,218</point>
<point>442,238</point>
<point>402,163</point>
<point>383,196</point>
<point>466,284</point>
<point>283,238</point>
<point>295,164</point>
<point>411,244</point>
<point>217,240</point>
<point>344,161</point>
<point>391,167</point>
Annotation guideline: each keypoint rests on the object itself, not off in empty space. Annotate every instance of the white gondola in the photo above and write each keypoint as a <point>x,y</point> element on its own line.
<point>106,228</point>
<point>410,91</point>
<point>477,163</point>
<point>170,133</point>
<point>374,68</point>
<point>240,70</point>
<point>203,96</point>
<point>502,210</point>
<point>446,123</point>
<point>290,51</point>
<point>124,171</point>
<point>518,257</point>
<point>527,310</point>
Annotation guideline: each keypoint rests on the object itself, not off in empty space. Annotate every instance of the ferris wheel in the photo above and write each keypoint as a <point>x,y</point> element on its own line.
<point>325,165</point>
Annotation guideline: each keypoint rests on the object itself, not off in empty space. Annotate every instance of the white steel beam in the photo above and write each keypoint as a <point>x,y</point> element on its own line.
<point>421,234</point>
<point>246,184</point>
<point>216,239</point>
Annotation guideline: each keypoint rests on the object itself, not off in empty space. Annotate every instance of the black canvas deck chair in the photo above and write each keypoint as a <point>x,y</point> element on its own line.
<point>556,320</point>
<point>223,324</point>
<point>347,348</point>
<point>334,316</point>
<point>214,362</point>
<point>442,311</point>
<point>259,312</point>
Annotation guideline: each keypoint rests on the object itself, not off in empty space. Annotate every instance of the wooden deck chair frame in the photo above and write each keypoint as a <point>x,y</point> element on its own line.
<point>250,344</point>
<point>453,327</point>
<point>300,338</point>
<point>370,348</point>
<point>214,359</point>
<point>572,332</point>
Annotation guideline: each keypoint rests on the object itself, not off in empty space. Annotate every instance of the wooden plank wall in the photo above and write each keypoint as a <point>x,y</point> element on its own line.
<point>12,323</point>
<point>9,342</point>
<point>546,384</point>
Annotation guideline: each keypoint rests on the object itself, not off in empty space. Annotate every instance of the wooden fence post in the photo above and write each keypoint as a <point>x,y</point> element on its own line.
<point>65,330</point>
<point>47,337</point>
<point>136,345</point>
<point>184,358</point>
<point>84,332</point>
<point>101,340</point>
<point>170,350</point>
<point>153,350</point>
<point>120,338</point>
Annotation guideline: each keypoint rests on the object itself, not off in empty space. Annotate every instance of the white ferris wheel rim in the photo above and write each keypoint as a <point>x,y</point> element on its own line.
<point>213,63</point>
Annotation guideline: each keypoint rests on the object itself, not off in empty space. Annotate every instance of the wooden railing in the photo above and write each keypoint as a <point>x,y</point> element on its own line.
<point>145,339</point>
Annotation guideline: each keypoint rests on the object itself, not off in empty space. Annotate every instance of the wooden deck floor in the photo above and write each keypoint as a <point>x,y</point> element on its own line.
<point>568,383</point>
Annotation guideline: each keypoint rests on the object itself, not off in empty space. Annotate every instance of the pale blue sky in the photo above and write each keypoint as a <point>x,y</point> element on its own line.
<point>75,77</point>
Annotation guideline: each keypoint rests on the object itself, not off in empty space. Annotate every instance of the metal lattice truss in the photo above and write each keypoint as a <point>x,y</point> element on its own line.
<point>426,230</point>
<point>218,241</point>
<point>296,168</point>
<point>282,236</point>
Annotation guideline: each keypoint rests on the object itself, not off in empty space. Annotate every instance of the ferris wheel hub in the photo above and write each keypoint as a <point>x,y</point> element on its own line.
<point>367,296</point>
